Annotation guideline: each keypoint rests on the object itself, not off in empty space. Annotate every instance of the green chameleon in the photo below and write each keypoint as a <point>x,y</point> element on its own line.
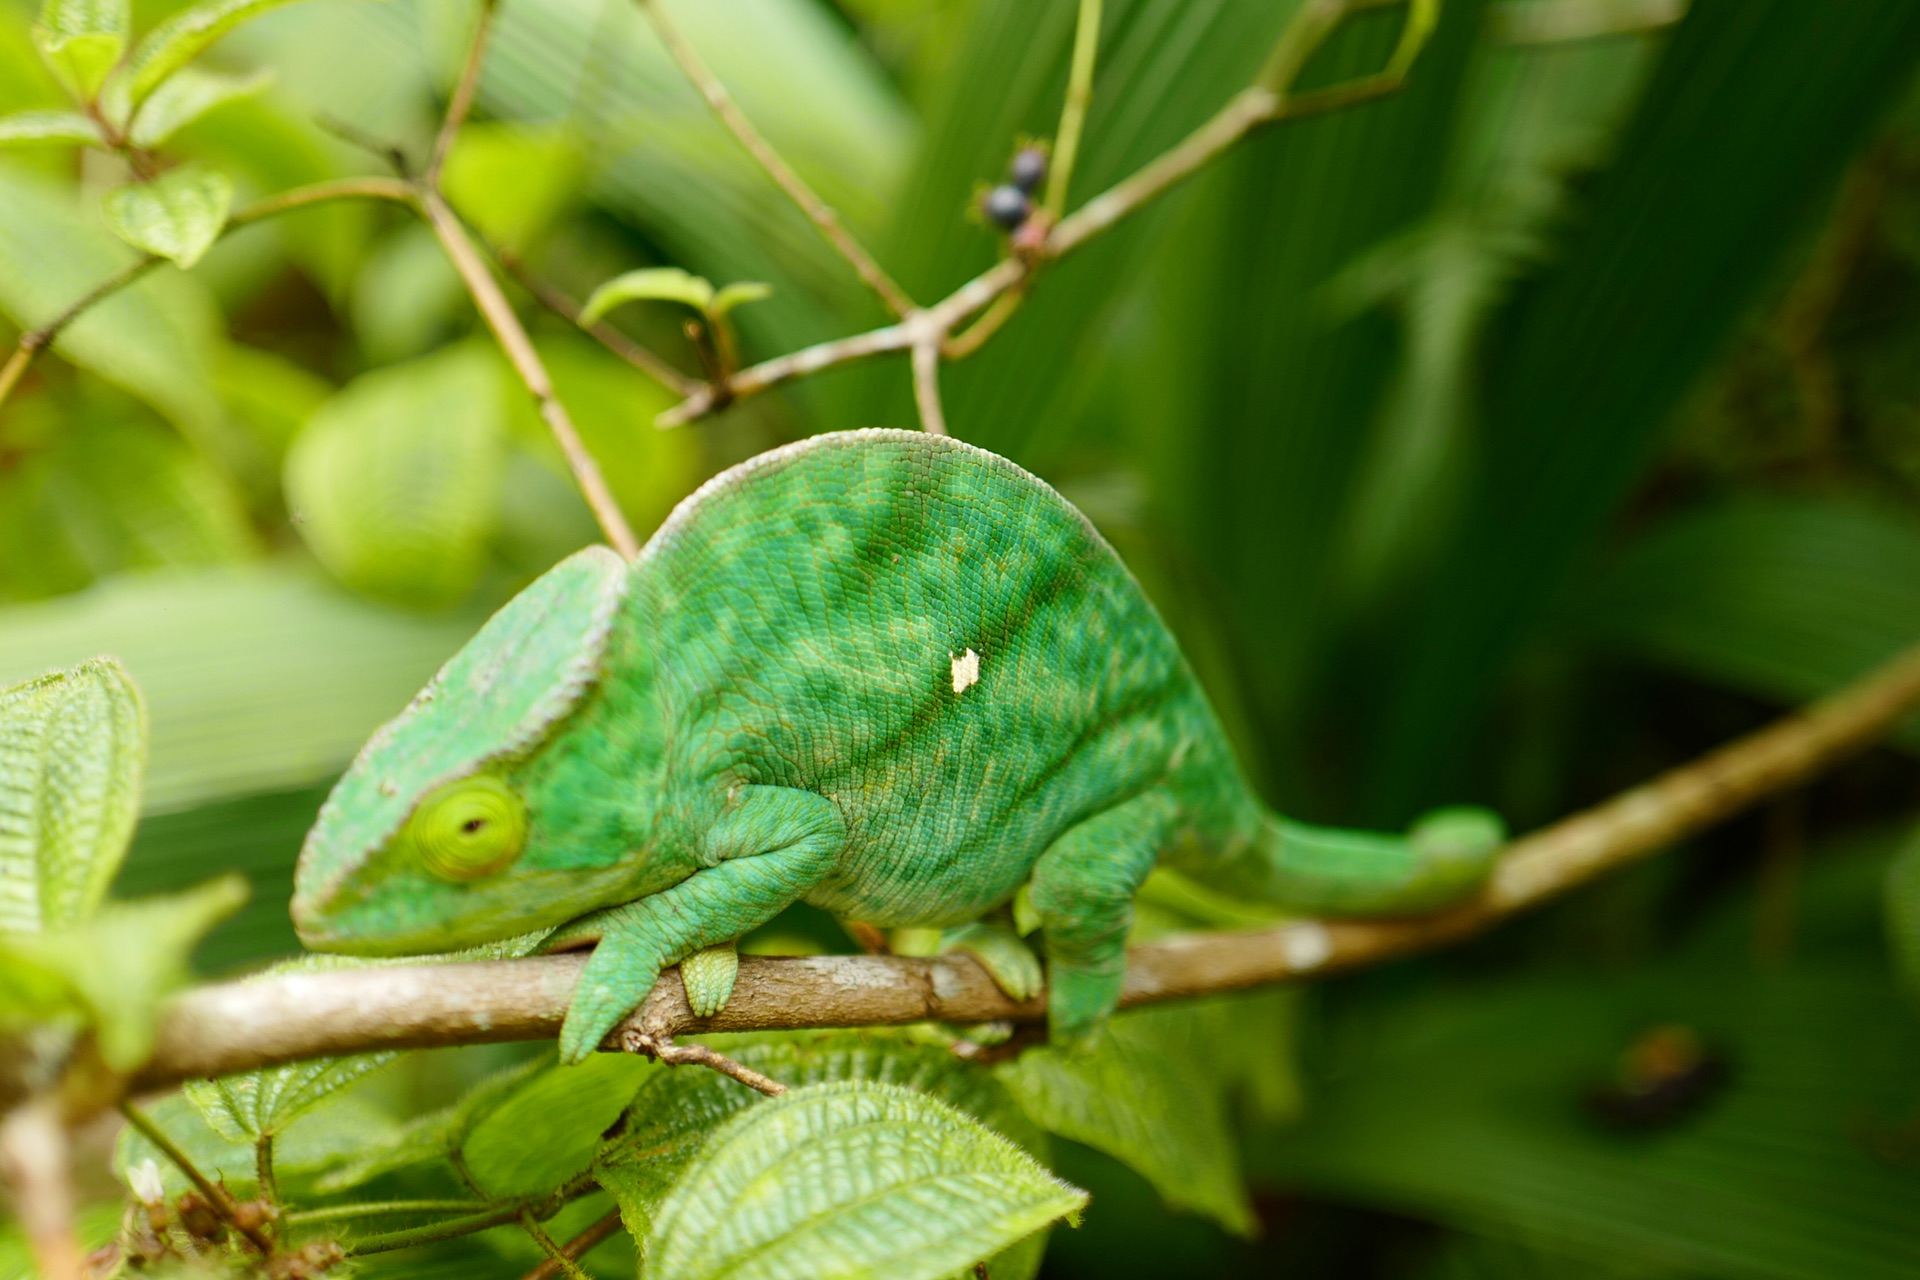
<point>882,672</point>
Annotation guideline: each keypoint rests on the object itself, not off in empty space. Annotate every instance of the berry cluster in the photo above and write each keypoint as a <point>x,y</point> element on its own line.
<point>1011,203</point>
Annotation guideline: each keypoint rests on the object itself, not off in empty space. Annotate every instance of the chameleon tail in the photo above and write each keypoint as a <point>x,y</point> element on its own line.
<point>1441,859</point>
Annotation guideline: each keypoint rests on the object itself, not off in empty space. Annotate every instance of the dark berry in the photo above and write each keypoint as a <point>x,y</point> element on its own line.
<point>1029,169</point>
<point>1006,205</point>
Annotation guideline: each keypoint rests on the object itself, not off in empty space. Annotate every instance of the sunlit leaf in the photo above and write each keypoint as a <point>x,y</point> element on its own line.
<point>81,40</point>
<point>178,215</point>
<point>182,38</point>
<point>394,482</point>
<point>115,967</point>
<point>851,1178</point>
<point>24,128</point>
<point>662,284</point>
<point>186,96</point>
<point>512,180</point>
<point>72,747</point>
<point>549,1127</point>
<point>733,295</point>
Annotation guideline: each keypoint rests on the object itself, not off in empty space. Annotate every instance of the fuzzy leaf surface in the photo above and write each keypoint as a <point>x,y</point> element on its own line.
<point>80,40</point>
<point>72,747</point>
<point>851,1178</point>
<point>186,96</point>
<point>25,128</point>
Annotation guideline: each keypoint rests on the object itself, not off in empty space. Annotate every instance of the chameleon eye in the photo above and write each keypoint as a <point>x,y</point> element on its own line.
<point>469,829</point>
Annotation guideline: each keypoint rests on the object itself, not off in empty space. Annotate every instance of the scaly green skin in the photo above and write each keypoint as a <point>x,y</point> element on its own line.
<point>882,672</point>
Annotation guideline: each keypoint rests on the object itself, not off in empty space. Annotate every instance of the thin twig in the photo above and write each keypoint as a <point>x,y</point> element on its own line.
<point>230,1027</point>
<point>1073,108</point>
<point>461,103</point>
<point>35,1163</point>
<point>551,1247</point>
<point>367,1209</point>
<point>567,308</point>
<point>215,1195</point>
<point>818,210</point>
<point>698,1055</point>
<point>33,341</point>
<point>926,386</point>
<point>513,339</point>
<point>578,1247</point>
<point>263,1169</point>
<point>963,344</point>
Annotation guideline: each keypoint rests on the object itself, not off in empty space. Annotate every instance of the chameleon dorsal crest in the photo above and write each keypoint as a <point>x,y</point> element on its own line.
<point>519,676</point>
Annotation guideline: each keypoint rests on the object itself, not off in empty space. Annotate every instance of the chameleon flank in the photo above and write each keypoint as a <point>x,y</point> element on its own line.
<point>882,672</point>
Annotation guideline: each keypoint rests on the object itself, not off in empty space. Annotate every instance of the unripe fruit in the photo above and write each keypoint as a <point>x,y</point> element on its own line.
<point>1029,168</point>
<point>1006,205</point>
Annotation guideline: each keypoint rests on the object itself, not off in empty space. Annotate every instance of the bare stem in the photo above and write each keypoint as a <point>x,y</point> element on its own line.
<point>338,1212</point>
<point>35,1162</point>
<point>926,386</point>
<point>699,1055</point>
<point>567,308</point>
<point>577,1248</point>
<point>263,1169</point>
<point>230,1027</point>
<point>526,362</point>
<point>461,103</point>
<point>549,1246</point>
<point>215,1195</point>
<point>1073,109</point>
<point>809,201</point>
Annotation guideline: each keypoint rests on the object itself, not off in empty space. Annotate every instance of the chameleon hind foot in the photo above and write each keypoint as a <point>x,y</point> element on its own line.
<point>709,975</point>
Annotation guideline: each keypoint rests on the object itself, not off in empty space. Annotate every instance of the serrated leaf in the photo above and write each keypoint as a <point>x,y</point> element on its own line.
<point>24,128</point>
<point>253,1104</point>
<point>662,284</point>
<point>182,38</point>
<point>187,95</point>
<point>72,747</point>
<point>1152,1093</point>
<point>311,1145</point>
<point>116,967</point>
<point>178,215</point>
<point>851,1178</point>
<point>80,41</point>
<point>733,295</point>
<point>395,481</point>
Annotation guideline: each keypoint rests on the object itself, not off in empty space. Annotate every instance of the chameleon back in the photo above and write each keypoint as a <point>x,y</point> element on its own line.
<point>924,633</point>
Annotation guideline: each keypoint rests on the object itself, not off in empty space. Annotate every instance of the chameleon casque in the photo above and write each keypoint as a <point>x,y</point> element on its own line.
<point>886,673</point>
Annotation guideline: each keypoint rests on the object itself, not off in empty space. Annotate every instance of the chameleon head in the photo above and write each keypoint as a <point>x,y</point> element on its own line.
<point>469,818</point>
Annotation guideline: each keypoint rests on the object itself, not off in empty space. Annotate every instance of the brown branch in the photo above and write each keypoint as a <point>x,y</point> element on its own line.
<point>238,1026</point>
<point>461,103</point>
<point>698,1055</point>
<point>567,308</point>
<point>926,386</point>
<point>526,362</point>
<point>578,1247</point>
<point>819,211</point>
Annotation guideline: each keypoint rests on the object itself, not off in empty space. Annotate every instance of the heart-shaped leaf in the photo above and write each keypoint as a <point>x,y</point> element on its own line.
<point>72,746</point>
<point>663,284</point>
<point>187,95</point>
<point>182,38</point>
<point>80,40</point>
<point>178,215</point>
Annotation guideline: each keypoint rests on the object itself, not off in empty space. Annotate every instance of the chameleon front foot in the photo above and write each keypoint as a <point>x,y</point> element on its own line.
<point>1005,956</point>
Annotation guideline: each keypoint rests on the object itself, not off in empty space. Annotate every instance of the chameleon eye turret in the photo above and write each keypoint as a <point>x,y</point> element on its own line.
<point>469,829</point>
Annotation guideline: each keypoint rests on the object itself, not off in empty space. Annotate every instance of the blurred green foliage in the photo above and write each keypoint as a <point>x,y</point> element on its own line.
<point>1504,440</point>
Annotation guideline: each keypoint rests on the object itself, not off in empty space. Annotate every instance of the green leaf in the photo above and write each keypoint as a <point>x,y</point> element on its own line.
<point>395,481</point>
<point>72,746</point>
<point>1153,1094</point>
<point>178,215</point>
<point>1903,912</point>
<point>1788,598</point>
<point>675,1111</point>
<point>186,96</point>
<point>81,40</point>
<point>550,1126</point>
<point>24,128</point>
<point>733,295</point>
<point>116,967</point>
<point>665,284</point>
<point>511,180</point>
<point>253,1104</point>
<point>182,38</point>
<point>318,1141</point>
<point>432,1137</point>
<point>851,1178</point>
<point>256,679</point>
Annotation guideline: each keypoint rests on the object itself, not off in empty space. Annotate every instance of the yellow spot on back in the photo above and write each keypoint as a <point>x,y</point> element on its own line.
<point>966,671</point>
